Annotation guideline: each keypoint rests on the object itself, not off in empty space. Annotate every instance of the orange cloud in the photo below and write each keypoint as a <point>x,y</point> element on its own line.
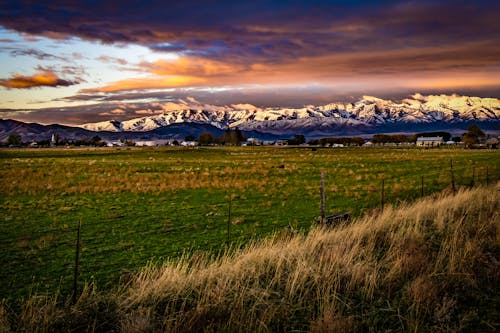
<point>453,81</point>
<point>149,83</point>
<point>194,66</point>
<point>401,66</point>
<point>43,79</point>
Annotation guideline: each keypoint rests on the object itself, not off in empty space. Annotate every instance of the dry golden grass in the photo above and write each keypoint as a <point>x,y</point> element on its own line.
<point>427,266</point>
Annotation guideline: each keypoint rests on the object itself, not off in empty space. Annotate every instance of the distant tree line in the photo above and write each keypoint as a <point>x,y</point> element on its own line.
<point>234,137</point>
<point>297,139</point>
<point>231,137</point>
<point>346,141</point>
<point>474,135</point>
<point>15,140</point>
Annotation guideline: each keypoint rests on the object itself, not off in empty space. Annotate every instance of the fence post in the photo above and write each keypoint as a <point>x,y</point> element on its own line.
<point>382,197</point>
<point>452,177</point>
<point>322,198</point>
<point>77,261</point>
<point>473,177</point>
<point>229,219</point>
<point>422,186</point>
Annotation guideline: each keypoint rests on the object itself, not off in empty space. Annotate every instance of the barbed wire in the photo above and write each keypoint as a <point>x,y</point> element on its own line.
<point>96,242</point>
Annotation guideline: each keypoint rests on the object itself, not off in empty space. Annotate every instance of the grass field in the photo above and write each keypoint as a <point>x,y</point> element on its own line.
<point>141,205</point>
<point>426,266</point>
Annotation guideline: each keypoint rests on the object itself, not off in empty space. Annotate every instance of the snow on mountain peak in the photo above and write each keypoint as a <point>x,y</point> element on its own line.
<point>368,111</point>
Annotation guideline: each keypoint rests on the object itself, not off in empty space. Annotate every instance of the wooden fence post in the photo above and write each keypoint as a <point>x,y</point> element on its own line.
<point>473,177</point>
<point>229,219</point>
<point>382,197</point>
<point>77,262</point>
<point>322,198</point>
<point>452,177</point>
<point>422,186</point>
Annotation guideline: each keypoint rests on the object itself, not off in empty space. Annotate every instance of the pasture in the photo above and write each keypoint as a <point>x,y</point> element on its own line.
<point>143,205</point>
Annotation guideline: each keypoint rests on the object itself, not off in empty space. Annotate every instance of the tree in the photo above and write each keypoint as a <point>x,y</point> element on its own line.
<point>473,136</point>
<point>297,139</point>
<point>14,140</point>
<point>469,139</point>
<point>97,142</point>
<point>226,139</point>
<point>205,139</point>
<point>381,138</point>
<point>358,141</point>
<point>475,131</point>
<point>128,143</point>
<point>236,137</point>
<point>43,143</point>
<point>189,138</point>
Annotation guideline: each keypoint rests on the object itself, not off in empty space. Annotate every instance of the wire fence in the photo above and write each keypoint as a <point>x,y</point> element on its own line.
<point>111,247</point>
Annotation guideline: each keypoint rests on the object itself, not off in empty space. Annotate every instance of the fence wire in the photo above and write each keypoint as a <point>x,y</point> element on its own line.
<point>209,224</point>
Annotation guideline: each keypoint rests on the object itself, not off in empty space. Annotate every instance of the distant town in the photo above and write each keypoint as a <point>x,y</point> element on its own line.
<point>473,138</point>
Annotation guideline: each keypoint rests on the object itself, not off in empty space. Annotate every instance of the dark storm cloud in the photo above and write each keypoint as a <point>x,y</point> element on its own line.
<point>373,46</point>
<point>261,30</point>
<point>40,55</point>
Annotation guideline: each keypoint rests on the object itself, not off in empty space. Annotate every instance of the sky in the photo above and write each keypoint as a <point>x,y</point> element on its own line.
<point>73,62</point>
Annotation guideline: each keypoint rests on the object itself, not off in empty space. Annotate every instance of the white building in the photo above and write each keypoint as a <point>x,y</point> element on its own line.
<point>115,144</point>
<point>430,141</point>
<point>189,143</point>
<point>253,142</point>
<point>152,143</point>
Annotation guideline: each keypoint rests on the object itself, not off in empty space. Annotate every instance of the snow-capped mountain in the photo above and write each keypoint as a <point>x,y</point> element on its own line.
<point>367,113</point>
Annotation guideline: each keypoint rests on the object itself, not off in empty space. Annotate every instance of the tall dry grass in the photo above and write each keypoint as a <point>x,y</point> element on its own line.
<point>427,266</point>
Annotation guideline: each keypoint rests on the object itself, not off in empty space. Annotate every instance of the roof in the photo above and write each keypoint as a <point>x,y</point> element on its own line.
<point>429,138</point>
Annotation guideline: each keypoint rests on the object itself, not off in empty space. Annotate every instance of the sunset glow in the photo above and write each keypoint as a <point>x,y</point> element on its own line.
<point>74,57</point>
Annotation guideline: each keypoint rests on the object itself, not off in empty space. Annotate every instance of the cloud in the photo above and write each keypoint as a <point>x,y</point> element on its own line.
<point>148,83</point>
<point>114,112</point>
<point>43,79</point>
<point>335,44</point>
<point>66,70</point>
<point>245,107</point>
<point>271,31</point>
<point>117,111</point>
<point>40,55</point>
<point>194,66</point>
<point>148,112</point>
<point>114,60</point>
<point>404,64</point>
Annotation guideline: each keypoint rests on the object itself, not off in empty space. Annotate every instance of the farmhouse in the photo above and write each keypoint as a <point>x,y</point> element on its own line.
<point>114,144</point>
<point>152,143</point>
<point>189,143</point>
<point>430,141</point>
<point>253,142</point>
<point>492,143</point>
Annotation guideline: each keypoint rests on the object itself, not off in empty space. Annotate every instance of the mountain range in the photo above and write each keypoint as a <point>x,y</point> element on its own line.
<point>369,115</point>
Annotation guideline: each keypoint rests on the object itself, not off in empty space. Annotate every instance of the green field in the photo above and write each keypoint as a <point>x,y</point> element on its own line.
<point>147,204</point>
